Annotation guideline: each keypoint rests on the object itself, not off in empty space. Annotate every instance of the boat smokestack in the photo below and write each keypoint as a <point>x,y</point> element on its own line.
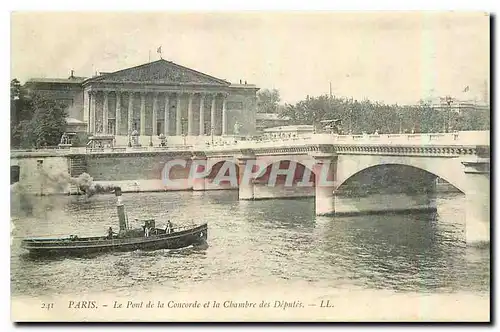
<point>120,209</point>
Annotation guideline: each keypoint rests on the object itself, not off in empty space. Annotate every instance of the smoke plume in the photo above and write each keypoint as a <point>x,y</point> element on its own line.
<point>23,200</point>
<point>20,199</point>
<point>84,182</point>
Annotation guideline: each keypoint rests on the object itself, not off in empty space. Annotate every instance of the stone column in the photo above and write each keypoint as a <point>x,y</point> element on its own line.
<point>202,115</point>
<point>190,115</point>
<point>118,113</point>
<point>155,112</point>
<point>93,97</point>
<point>143,114</point>
<point>212,115</point>
<point>245,177</point>
<point>130,112</point>
<point>324,175</point>
<point>178,116</point>
<point>224,115</point>
<point>89,119</point>
<point>477,201</point>
<point>105,113</point>
<point>166,119</point>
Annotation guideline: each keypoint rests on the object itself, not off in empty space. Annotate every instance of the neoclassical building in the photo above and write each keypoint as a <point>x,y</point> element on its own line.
<point>159,97</point>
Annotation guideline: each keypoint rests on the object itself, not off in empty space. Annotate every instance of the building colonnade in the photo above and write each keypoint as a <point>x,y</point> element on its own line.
<point>165,115</point>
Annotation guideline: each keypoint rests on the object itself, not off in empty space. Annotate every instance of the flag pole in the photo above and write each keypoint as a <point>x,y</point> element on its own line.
<point>149,56</point>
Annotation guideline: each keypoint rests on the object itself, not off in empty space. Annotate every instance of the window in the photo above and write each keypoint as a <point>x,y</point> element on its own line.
<point>111,127</point>
<point>14,174</point>
<point>159,127</point>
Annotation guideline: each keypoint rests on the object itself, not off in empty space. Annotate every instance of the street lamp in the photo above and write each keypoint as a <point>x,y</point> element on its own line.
<point>400,115</point>
<point>212,128</point>
<point>350,121</point>
<point>446,121</point>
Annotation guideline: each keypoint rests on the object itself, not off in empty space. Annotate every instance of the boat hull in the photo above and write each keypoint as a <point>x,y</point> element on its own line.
<point>92,246</point>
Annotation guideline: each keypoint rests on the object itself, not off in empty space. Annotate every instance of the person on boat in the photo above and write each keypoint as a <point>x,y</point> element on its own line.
<point>110,233</point>
<point>168,228</point>
<point>146,231</point>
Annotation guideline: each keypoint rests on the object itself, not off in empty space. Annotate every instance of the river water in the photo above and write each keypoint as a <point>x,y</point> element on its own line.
<point>252,244</point>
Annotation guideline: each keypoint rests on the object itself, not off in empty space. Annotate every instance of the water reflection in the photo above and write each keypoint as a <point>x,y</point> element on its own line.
<point>297,214</point>
<point>400,252</point>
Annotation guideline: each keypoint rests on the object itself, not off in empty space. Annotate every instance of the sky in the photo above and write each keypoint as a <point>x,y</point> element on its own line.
<point>391,57</point>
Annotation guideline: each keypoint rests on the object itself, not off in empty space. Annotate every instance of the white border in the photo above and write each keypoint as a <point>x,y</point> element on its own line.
<point>185,5</point>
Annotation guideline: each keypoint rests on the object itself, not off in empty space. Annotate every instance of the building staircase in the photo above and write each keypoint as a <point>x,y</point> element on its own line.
<point>78,166</point>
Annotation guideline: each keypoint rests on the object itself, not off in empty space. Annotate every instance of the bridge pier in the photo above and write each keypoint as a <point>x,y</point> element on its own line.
<point>246,177</point>
<point>324,171</point>
<point>477,202</point>
<point>384,203</point>
<point>198,170</point>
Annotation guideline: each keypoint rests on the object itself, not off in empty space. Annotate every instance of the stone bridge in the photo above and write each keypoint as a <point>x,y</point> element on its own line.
<point>365,173</point>
<point>396,172</point>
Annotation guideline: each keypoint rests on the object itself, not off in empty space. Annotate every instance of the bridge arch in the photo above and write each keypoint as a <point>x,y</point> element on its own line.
<point>303,172</point>
<point>226,171</point>
<point>449,171</point>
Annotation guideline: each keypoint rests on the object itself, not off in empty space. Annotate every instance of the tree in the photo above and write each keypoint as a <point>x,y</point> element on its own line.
<point>19,110</point>
<point>268,101</point>
<point>472,119</point>
<point>35,120</point>
<point>48,122</point>
<point>369,117</point>
<point>15,89</point>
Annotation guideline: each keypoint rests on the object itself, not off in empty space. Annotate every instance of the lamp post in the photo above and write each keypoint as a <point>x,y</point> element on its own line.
<point>400,115</point>
<point>350,121</point>
<point>449,100</point>
<point>212,133</point>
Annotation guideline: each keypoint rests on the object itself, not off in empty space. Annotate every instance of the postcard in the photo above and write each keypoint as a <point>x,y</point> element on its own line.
<point>250,166</point>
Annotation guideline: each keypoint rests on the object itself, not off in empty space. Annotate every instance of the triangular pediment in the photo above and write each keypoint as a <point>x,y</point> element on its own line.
<point>160,71</point>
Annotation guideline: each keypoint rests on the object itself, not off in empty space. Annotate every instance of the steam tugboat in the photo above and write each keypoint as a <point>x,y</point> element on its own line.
<point>149,237</point>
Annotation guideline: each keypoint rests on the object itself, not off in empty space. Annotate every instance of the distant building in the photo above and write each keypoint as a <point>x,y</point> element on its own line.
<point>471,98</point>
<point>269,120</point>
<point>288,131</point>
<point>68,91</point>
<point>155,98</point>
<point>457,105</point>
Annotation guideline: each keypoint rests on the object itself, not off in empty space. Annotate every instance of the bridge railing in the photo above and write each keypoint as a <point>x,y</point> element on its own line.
<point>121,149</point>
<point>451,139</point>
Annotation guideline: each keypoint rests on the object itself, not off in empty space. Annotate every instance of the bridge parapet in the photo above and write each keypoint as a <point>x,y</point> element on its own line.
<point>457,138</point>
<point>445,143</point>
